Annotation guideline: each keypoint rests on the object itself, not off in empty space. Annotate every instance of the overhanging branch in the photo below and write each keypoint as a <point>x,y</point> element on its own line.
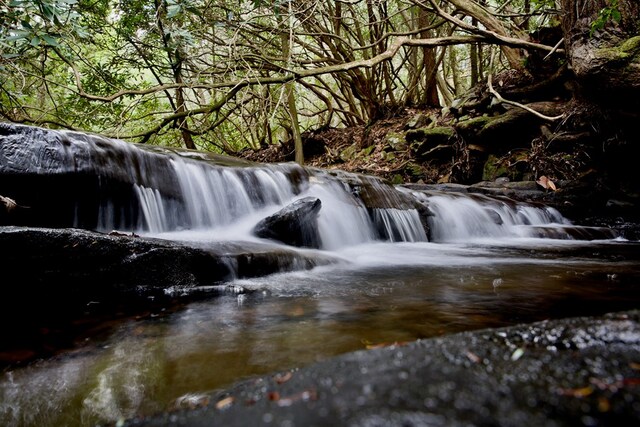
<point>292,75</point>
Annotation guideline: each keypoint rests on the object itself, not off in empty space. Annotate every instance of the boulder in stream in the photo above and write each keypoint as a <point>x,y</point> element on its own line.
<point>296,224</point>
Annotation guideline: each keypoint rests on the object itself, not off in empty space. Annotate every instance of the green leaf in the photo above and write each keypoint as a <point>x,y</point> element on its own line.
<point>19,35</point>
<point>49,40</point>
<point>48,12</point>
<point>35,41</point>
<point>616,15</point>
<point>173,10</point>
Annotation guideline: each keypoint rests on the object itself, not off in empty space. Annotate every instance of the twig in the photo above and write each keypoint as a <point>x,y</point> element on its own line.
<point>553,50</point>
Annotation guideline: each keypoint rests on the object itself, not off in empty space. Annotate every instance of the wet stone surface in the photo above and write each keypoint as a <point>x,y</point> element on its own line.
<point>576,371</point>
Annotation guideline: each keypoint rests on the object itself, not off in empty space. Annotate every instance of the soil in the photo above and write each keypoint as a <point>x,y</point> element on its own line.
<point>323,148</point>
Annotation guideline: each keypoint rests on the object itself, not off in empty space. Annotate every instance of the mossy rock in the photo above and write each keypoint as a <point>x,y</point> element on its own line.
<point>473,125</point>
<point>494,168</point>
<point>624,52</point>
<point>418,121</point>
<point>396,141</point>
<point>349,153</point>
<point>514,167</point>
<point>438,132</point>
<point>424,140</point>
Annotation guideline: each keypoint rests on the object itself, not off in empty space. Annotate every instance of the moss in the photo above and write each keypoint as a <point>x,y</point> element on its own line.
<point>425,140</point>
<point>438,132</point>
<point>473,125</point>
<point>493,168</point>
<point>623,52</point>
<point>396,141</point>
<point>631,45</point>
<point>397,179</point>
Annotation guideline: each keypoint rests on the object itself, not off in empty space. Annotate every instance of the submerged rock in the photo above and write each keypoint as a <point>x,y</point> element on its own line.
<point>295,224</point>
<point>576,371</point>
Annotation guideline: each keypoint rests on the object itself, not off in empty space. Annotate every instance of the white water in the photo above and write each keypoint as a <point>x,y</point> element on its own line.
<point>226,202</point>
<point>211,202</point>
<point>462,217</point>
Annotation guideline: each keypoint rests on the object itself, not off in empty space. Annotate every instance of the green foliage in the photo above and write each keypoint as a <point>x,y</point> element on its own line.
<point>27,24</point>
<point>544,3</point>
<point>145,70</point>
<point>607,14</point>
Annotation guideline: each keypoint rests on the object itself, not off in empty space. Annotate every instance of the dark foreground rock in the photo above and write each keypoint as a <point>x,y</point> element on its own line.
<point>569,372</point>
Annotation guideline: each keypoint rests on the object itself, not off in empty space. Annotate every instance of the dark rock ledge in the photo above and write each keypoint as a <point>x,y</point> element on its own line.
<point>45,268</point>
<point>568,372</point>
<point>60,286</point>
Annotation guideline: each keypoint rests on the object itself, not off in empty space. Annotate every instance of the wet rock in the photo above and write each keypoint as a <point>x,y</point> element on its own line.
<point>63,178</point>
<point>572,233</point>
<point>423,140</point>
<point>575,371</point>
<point>395,141</point>
<point>52,266</point>
<point>419,120</point>
<point>295,224</point>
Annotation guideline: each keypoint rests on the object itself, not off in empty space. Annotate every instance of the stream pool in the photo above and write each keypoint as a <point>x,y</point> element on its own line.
<point>375,294</point>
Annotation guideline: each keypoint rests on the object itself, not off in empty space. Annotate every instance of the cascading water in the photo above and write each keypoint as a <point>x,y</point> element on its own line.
<point>153,191</point>
<point>466,216</point>
<point>212,196</point>
<point>110,184</point>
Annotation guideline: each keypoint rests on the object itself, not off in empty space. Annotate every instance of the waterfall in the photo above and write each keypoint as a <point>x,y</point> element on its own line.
<point>70,179</point>
<point>156,192</point>
<point>216,197</point>
<point>462,216</point>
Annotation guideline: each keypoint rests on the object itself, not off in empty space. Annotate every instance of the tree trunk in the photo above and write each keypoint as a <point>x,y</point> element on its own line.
<point>473,9</point>
<point>291,102</point>
<point>182,123</point>
<point>430,66</point>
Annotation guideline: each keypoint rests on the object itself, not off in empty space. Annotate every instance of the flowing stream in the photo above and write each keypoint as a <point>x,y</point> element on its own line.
<point>481,262</point>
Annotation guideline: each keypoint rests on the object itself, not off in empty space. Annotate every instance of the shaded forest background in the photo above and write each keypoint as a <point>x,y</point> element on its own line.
<point>412,90</point>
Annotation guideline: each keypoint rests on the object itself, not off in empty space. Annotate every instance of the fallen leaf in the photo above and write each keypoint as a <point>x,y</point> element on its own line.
<point>274,395</point>
<point>577,392</point>
<point>631,381</point>
<point>8,203</point>
<point>283,378</point>
<point>517,354</point>
<point>546,183</point>
<point>386,344</point>
<point>304,396</point>
<point>473,357</point>
<point>224,403</point>
<point>551,185</point>
<point>603,404</point>
<point>191,401</point>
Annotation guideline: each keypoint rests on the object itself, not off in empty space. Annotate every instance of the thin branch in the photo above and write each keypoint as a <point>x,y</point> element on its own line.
<point>554,49</point>
<point>305,73</point>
